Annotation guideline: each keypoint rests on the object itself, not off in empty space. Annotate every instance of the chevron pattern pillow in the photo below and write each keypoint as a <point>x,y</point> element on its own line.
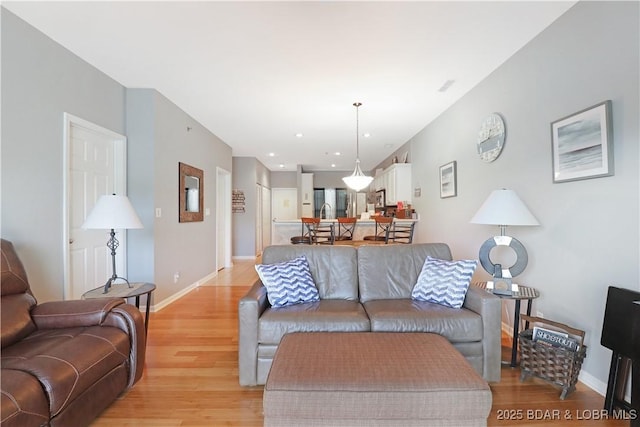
<point>288,282</point>
<point>444,282</point>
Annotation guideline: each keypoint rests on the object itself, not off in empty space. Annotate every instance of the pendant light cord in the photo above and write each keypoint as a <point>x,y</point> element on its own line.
<point>357,105</point>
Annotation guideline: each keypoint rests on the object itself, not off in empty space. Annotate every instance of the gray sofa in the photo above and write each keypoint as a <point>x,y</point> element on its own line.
<point>366,289</point>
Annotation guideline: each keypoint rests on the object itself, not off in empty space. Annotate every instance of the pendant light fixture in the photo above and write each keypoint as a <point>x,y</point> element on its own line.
<point>357,180</point>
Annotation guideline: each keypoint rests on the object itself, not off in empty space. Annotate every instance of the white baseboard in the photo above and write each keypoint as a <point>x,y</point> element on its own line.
<point>593,383</point>
<point>206,278</point>
<point>165,302</point>
<point>245,257</point>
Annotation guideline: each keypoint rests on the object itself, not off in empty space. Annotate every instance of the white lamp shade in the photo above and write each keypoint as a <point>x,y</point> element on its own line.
<point>357,180</point>
<point>112,211</point>
<point>504,207</point>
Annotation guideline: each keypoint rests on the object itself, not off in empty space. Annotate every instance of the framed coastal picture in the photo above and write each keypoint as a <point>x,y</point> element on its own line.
<point>448,185</point>
<point>582,144</point>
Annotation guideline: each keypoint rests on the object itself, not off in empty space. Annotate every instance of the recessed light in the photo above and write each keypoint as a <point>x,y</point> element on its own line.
<point>337,153</point>
<point>281,166</point>
<point>366,134</point>
<point>272,154</point>
<point>299,135</point>
<point>333,165</point>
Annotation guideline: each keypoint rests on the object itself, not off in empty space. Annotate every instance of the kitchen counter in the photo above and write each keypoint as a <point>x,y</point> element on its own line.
<point>283,230</point>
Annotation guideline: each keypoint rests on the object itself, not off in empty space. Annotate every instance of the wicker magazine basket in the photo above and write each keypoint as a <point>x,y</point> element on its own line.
<point>557,365</point>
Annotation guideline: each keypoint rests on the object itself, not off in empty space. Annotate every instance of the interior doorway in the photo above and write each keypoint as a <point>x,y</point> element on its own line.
<point>223,219</point>
<point>94,164</point>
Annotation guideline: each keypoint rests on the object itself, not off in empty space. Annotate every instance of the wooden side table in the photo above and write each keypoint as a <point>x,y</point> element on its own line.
<point>122,290</point>
<point>524,293</point>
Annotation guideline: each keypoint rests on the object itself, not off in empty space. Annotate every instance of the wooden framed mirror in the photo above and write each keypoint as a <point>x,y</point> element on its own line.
<point>190,193</point>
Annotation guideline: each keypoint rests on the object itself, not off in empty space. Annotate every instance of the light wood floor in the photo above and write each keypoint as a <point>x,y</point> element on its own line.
<point>191,373</point>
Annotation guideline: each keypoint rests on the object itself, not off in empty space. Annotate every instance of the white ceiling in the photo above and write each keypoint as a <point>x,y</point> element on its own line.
<point>257,73</point>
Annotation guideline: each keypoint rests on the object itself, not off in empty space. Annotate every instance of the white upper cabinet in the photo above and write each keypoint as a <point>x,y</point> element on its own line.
<point>396,181</point>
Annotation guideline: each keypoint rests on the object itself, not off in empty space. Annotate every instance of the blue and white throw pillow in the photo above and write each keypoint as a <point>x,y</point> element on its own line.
<point>444,282</point>
<point>288,282</point>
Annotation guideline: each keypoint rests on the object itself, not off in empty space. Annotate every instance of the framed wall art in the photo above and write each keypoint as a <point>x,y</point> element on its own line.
<point>448,184</point>
<point>582,144</point>
<point>190,193</point>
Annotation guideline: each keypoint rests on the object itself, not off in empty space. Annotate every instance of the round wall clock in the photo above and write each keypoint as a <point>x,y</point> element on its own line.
<point>491,137</point>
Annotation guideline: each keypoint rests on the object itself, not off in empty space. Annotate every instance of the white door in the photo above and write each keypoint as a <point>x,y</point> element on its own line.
<point>266,217</point>
<point>95,166</point>
<point>223,218</point>
<point>285,203</point>
<point>258,219</point>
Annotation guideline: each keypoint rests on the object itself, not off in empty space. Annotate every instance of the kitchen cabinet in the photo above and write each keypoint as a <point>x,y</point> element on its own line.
<point>396,181</point>
<point>378,182</point>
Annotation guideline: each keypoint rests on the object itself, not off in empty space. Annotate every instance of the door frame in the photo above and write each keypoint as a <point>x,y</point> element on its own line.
<point>120,184</point>
<point>223,216</point>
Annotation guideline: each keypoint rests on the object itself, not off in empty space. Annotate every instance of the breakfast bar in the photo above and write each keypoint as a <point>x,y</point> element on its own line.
<point>283,230</point>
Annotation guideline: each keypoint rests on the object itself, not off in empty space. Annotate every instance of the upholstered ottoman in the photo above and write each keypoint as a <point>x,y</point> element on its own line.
<point>372,379</point>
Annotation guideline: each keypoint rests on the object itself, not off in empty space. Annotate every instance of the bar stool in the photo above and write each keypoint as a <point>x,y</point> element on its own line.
<point>383,226</point>
<point>402,232</point>
<point>305,237</point>
<point>346,228</point>
<point>319,234</point>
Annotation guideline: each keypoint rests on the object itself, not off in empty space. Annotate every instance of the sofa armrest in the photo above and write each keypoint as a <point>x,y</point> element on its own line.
<point>250,308</point>
<point>129,319</point>
<point>489,307</point>
<point>74,313</point>
<point>112,312</point>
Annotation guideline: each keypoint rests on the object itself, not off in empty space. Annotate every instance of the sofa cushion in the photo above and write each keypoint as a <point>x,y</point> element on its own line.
<point>321,316</point>
<point>288,282</point>
<point>68,361</point>
<point>407,315</point>
<point>24,402</point>
<point>334,268</point>
<point>444,282</point>
<point>390,271</point>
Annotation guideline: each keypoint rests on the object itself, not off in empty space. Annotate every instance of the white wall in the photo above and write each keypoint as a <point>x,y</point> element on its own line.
<point>589,233</point>
<point>283,179</point>
<point>40,82</point>
<point>247,172</point>
<point>160,136</point>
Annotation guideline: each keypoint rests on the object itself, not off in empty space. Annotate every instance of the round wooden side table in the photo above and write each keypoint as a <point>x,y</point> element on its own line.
<point>122,290</point>
<point>526,293</point>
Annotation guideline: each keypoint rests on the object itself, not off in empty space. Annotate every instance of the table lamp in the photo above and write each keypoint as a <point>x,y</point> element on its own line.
<point>503,208</point>
<point>112,212</point>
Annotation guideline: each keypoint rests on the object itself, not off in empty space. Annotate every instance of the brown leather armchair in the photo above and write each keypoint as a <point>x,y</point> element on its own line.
<point>63,362</point>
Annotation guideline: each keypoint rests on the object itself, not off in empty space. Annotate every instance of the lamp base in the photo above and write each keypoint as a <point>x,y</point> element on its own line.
<point>113,245</point>
<point>502,286</point>
<point>107,285</point>
<point>521,256</point>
